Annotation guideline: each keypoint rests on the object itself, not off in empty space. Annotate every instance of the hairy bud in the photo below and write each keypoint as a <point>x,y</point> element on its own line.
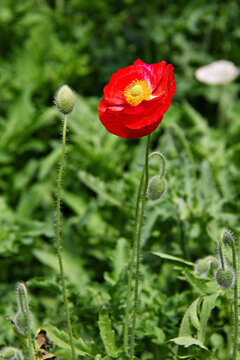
<point>7,353</point>
<point>225,278</point>
<point>11,353</point>
<point>157,187</point>
<point>65,99</point>
<point>202,266</point>
<point>23,317</point>
<point>19,355</point>
<point>21,297</point>
<point>228,236</point>
<point>21,324</point>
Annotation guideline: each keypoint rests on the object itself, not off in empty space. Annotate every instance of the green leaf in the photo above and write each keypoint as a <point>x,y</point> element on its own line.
<point>62,340</point>
<point>31,199</point>
<point>15,130</point>
<point>208,304</point>
<point>75,202</point>
<point>195,117</point>
<point>87,212</point>
<point>120,258</point>
<point>48,163</point>
<point>198,284</point>
<point>99,187</point>
<point>23,177</point>
<point>190,318</point>
<point>187,341</point>
<point>106,332</point>
<point>173,259</point>
<point>36,228</point>
<point>72,266</point>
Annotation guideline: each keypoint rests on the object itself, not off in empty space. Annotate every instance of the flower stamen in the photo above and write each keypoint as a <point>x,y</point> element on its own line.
<point>137,91</point>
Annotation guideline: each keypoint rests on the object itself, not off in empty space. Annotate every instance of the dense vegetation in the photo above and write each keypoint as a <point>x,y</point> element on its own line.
<point>45,44</point>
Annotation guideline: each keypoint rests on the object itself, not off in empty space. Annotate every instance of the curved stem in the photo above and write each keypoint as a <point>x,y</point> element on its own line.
<point>235,303</point>
<point>130,276</point>
<point>163,169</point>
<point>27,313</point>
<point>138,252</point>
<point>59,253</point>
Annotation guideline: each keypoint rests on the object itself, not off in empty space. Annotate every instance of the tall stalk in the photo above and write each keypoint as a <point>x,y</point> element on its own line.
<point>136,250</point>
<point>59,251</point>
<point>235,303</point>
<point>130,276</point>
<point>227,277</point>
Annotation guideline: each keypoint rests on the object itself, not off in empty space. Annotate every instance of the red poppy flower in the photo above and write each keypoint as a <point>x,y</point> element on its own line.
<point>136,98</point>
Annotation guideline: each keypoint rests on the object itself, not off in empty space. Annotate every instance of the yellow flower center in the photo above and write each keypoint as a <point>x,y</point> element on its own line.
<point>137,91</point>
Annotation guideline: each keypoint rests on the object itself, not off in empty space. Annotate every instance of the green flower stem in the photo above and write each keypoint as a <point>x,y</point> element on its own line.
<point>59,252</point>
<point>235,302</point>
<point>27,313</point>
<point>130,276</point>
<point>220,249</point>
<point>138,252</point>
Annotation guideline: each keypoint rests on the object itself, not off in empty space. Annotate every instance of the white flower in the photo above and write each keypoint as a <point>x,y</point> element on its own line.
<point>218,72</point>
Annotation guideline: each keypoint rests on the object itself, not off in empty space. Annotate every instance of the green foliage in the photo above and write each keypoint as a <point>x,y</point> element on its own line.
<point>45,44</point>
<point>107,334</point>
<point>62,340</point>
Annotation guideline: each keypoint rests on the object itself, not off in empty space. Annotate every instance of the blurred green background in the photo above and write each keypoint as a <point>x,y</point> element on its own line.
<point>45,44</point>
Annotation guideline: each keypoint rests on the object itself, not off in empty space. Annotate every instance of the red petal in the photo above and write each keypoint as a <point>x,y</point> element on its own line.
<point>114,90</point>
<point>166,82</point>
<point>115,124</point>
<point>128,123</point>
<point>157,71</point>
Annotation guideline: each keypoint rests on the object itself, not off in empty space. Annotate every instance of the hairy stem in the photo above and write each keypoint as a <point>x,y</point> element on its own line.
<point>235,303</point>
<point>59,252</point>
<point>27,314</point>
<point>130,276</point>
<point>138,252</point>
<point>220,250</point>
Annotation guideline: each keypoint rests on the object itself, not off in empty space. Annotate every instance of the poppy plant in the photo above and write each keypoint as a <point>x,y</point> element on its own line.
<point>136,98</point>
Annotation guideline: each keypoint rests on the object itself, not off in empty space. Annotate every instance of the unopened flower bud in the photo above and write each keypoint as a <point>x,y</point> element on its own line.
<point>11,353</point>
<point>156,187</point>
<point>65,99</point>
<point>228,236</point>
<point>7,353</point>
<point>21,324</point>
<point>225,278</point>
<point>19,355</point>
<point>202,266</point>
